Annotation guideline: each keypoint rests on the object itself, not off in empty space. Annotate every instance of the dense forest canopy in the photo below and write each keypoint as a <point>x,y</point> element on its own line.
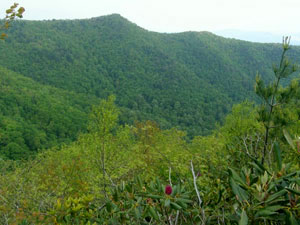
<point>113,105</point>
<point>35,116</point>
<point>185,80</point>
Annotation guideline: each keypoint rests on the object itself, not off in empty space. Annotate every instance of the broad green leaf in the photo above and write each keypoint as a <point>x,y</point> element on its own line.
<point>236,177</point>
<point>108,207</point>
<point>257,167</point>
<point>174,191</point>
<point>290,219</point>
<point>175,206</point>
<point>154,196</point>
<point>244,218</point>
<point>264,178</point>
<point>153,213</point>
<point>238,191</point>
<point>184,200</point>
<point>140,181</point>
<point>274,207</point>
<point>276,195</point>
<point>167,202</point>
<point>137,213</point>
<point>288,138</point>
<point>293,191</point>
<point>182,204</point>
<point>268,211</point>
<point>293,220</point>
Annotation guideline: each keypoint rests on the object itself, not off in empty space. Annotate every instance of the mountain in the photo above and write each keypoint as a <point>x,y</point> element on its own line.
<point>35,116</point>
<point>186,80</point>
<point>254,36</point>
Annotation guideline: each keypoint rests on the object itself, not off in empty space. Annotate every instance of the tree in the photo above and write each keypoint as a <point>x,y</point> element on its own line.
<point>274,96</point>
<point>11,14</point>
<point>103,119</point>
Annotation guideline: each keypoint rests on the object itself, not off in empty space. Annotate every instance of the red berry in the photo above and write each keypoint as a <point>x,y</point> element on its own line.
<point>168,190</point>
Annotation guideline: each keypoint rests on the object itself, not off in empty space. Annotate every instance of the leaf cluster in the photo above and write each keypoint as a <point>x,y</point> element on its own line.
<point>11,14</point>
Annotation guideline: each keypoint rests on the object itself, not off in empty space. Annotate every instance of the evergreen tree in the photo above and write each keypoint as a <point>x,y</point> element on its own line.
<point>274,96</point>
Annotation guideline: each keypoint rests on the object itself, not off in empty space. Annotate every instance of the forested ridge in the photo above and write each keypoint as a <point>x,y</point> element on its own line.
<point>36,117</point>
<point>118,112</point>
<point>186,80</point>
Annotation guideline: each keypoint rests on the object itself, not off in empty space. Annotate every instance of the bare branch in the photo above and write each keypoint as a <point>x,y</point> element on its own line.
<point>170,180</point>
<point>197,192</point>
<point>177,215</point>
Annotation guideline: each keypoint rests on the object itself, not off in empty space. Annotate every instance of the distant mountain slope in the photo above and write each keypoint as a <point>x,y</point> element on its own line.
<point>262,37</point>
<point>35,116</point>
<point>189,80</point>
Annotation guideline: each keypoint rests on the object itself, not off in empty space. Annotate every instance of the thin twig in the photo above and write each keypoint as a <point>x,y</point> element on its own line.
<point>245,144</point>
<point>197,192</point>
<point>101,207</point>
<point>177,215</point>
<point>195,183</point>
<point>112,183</point>
<point>170,171</point>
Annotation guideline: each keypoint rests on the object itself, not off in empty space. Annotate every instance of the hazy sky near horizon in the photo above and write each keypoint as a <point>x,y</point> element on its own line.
<point>276,16</point>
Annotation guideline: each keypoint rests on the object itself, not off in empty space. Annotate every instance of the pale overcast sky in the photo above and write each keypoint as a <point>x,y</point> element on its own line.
<point>276,16</point>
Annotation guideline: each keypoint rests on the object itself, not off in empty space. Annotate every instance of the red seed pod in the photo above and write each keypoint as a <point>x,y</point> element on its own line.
<point>168,190</point>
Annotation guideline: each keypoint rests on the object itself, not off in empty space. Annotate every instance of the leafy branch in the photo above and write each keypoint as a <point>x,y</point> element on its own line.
<point>273,95</point>
<point>12,13</point>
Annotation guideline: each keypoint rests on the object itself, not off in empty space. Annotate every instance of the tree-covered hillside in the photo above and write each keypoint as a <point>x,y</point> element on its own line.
<point>35,116</point>
<point>187,80</point>
<point>55,88</point>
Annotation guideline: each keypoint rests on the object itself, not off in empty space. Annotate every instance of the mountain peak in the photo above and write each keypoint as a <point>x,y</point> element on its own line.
<point>111,16</point>
<point>114,18</point>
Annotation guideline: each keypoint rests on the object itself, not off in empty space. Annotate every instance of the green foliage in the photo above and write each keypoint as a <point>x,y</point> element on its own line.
<point>80,210</point>
<point>35,117</point>
<point>107,137</point>
<point>56,186</point>
<point>159,151</point>
<point>264,195</point>
<point>11,14</point>
<point>188,80</point>
<point>215,179</point>
<point>138,203</point>
<point>104,118</point>
<point>275,97</point>
<point>241,121</point>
